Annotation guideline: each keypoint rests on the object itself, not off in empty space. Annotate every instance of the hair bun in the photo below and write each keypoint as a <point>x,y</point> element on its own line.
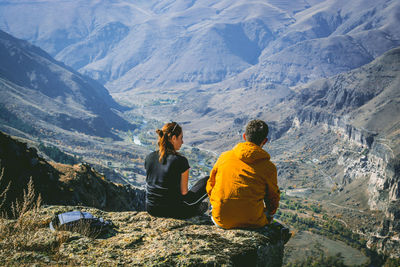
<point>160,133</point>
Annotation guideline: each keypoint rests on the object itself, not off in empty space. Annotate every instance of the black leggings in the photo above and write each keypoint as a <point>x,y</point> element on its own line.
<point>189,206</point>
<point>197,192</point>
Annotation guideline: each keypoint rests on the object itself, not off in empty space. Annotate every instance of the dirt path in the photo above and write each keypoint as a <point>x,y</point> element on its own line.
<point>343,207</point>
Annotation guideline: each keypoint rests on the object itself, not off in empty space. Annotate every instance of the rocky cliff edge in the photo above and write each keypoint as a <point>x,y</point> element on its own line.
<point>142,240</point>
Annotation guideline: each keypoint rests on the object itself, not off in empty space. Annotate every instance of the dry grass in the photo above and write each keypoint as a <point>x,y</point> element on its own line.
<point>3,195</point>
<point>16,233</point>
<point>25,232</point>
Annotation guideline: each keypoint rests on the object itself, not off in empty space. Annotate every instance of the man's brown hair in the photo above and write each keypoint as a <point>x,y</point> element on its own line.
<point>256,131</point>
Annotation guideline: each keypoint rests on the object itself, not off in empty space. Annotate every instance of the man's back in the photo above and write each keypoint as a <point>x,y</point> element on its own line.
<point>238,185</point>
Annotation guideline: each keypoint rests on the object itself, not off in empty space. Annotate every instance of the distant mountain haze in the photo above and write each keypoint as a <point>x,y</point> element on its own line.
<point>198,51</point>
<point>151,44</point>
<point>217,63</point>
<point>38,91</point>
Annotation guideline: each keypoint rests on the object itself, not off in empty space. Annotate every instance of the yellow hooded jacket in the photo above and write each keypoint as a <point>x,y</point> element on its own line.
<point>237,186</point>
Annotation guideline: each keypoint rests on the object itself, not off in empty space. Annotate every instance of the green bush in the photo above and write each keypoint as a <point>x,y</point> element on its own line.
<point>57,155</point>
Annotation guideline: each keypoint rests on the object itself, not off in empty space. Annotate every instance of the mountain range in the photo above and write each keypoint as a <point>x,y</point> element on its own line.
<point>172,43</point>
<point>324,74</point>
<point>39,93</point>
<point>212,58</point>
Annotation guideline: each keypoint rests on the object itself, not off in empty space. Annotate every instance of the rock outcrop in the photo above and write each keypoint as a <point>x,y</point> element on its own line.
<point>361,103</point>
<point>386,240</point>
<point>142,240</point>
<point>62,184</point>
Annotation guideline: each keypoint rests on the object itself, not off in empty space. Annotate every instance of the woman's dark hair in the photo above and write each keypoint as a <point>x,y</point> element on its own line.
<point>164,135</point>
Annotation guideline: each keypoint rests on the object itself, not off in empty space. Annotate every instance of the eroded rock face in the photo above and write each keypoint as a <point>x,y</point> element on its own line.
<point>387,239</point>
<point>83,185</point>
<point>60,184</point>
<point>361,107</point>
<point>143,240</point>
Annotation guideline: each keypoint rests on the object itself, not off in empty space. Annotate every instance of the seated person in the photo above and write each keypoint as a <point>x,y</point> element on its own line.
<point>167,175</point>
<point>243,187</point>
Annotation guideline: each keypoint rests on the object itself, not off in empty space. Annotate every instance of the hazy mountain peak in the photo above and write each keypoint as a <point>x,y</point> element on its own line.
<point>38,91</point>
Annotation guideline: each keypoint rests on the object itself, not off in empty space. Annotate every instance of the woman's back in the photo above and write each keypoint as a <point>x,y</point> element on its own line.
<point>164,180</point>
<point>167,174</point>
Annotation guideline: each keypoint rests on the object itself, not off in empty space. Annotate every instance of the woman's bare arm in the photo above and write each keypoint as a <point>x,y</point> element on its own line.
<point>185,182</point>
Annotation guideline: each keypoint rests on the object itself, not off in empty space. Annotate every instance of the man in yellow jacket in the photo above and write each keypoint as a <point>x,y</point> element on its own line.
<point>243,187</point>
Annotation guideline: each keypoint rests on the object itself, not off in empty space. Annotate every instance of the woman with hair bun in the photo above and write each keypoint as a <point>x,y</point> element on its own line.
<point>167,175</point>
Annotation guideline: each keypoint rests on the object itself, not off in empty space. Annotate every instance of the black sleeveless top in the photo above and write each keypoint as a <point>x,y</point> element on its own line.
<point>163,183</point>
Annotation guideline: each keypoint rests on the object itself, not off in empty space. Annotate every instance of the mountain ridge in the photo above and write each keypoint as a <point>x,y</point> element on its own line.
<point>30,78</point>
<point>360,96</point>
<point>61,184</point>
<point>152,43</point>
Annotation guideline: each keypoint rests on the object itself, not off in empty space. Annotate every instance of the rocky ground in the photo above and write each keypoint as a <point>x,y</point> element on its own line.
<point>138,239</point>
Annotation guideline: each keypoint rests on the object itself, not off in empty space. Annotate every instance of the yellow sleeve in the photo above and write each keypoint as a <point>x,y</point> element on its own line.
<point>211,180</point>
<point>273,193</point>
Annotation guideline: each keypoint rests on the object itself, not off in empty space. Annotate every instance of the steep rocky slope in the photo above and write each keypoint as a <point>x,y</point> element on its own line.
<point>61,184</point>
<point>366,99</point>
<point>321,40</point>
<point>329,38</point>
<point>356,116</point>
<point>39,93</point>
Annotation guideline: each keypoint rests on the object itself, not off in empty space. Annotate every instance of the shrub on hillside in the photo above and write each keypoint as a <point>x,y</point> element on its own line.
<point>57,155</point>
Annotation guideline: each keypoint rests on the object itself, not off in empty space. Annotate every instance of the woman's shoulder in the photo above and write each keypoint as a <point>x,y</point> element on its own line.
<point>152,155</point>
<point>177,156</point>
<point>176,159</point>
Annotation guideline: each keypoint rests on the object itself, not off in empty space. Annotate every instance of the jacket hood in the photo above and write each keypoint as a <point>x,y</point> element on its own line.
<point>250,152</point>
